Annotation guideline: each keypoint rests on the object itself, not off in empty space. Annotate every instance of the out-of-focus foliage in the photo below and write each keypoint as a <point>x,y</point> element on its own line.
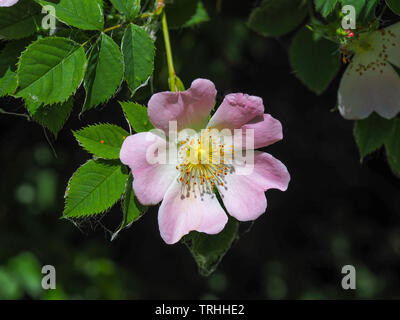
<point>276,18</point>
<point>371,134</point>
<point>394,5</point>
<point>316,63</point>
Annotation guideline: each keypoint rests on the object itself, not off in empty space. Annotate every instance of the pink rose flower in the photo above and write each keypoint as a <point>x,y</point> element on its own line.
<point>7,3</point>
<point>186,189</point>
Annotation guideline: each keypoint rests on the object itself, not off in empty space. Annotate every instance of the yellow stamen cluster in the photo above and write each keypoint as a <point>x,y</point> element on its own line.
<point>202,164</point>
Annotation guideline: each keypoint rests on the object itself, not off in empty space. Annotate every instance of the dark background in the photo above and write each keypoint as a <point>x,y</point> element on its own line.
<point>337,211</point>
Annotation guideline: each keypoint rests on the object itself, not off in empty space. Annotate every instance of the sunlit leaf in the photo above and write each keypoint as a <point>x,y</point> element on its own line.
<point>130,8</point>
<point>82,14</point>
<point>104,72</point>
<point>50,70</point>
<point>137,116</point>
<point>102,140</point>
<point>94,188</point>
<point>139,51</point>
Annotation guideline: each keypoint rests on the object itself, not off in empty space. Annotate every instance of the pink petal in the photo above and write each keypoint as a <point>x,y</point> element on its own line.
<point>236,110</point>
<point>151,181</point>
<point>269,172</point>
<point>244,195</point>
<point>361,93</point>
<point>267,130</point>
<point>7,3</point>
<point>179,214</point>
<point>243,199</point>
<point>190,108</point>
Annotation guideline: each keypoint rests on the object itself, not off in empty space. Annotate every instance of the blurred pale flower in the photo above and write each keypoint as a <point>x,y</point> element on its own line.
<point>186,188</point>
<point>370,82</point>
<point>7,3</point>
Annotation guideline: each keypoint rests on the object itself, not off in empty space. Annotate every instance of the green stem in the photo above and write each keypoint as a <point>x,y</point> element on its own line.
<point>105,30</point>
<point>113,27</point>
<point>171,69</point>
<point>14,114</point>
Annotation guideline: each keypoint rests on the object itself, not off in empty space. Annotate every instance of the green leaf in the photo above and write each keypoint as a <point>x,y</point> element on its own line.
<point>85,15</point>
<point>10,54</point>
<point>325,6</point>
<point>8,83</point>
<point>208,250</point>
<point>199,17</point>
<point>54,117</point>
<point>132,209</point>
<point>20,20</point>
<point>137,116</point>
<point>357,4</point>
<point>276,18</point>
<point>180,12</point>
<point>94,188</point>
<point>139,51</point>
<point>8,64</point>
<point>316,63</point>
<point>371,133</point>
<point>393,147</point>
<point>102,140</point>
<point>368,13</point>
<point>104,73</point>
<point>394,5</point>
<point>32,106</point>
<point>50,70</point>
<point>130,8</point>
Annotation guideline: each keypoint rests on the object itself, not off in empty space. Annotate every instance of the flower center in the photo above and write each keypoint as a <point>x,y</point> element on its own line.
<point>202,163</point>
<point>372,51</point>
